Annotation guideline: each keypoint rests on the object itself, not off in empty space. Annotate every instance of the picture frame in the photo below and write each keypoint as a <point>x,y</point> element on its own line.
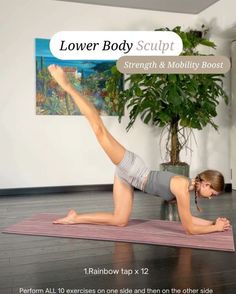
<point>87,76</point>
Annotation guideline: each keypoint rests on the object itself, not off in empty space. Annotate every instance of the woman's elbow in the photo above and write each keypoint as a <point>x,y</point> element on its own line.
<point>189,230</point>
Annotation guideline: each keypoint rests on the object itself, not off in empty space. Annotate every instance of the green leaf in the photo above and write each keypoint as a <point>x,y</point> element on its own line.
<point>207,43</point>
<point>164,117</point>
<point>172,78</point>
<point>147,118</point>
<point>138,91</point>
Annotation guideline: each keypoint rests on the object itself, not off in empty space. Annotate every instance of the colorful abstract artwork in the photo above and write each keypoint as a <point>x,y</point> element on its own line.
<point>88,77</point>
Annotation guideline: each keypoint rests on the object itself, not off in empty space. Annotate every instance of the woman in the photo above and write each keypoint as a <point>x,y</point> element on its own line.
<point>132,172</point>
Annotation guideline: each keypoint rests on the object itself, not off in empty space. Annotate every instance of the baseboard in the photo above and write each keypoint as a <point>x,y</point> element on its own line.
<point>67,189</point>
<point>228,187</point>
<point>52,190</point>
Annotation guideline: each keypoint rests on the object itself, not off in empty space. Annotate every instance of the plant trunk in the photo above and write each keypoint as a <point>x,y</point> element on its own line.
<point>174,140</point>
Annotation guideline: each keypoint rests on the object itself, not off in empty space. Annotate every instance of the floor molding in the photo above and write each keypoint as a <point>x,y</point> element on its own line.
<point>228,187</point>
<point>57,189</point>
<point>67,189</point>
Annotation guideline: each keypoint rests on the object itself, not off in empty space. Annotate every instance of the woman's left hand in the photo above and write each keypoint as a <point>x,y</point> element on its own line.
<point>225,220</point>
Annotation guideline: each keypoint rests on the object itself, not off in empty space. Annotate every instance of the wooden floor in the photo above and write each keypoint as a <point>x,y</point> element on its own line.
<point>30,264</point>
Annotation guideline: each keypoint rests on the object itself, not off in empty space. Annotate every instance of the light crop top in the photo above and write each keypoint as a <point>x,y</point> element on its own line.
<point>158,184</point>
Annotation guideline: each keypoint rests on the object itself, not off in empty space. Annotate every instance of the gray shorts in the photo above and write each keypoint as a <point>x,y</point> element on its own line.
<point>132,170</point>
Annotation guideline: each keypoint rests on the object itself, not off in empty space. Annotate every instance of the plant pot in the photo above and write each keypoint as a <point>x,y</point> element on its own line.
<point>180,169</point>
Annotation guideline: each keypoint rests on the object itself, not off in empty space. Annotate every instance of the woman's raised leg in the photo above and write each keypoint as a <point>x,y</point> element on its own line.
<point>113,149</point>
<point>123,202</point>
<point>122,191</point>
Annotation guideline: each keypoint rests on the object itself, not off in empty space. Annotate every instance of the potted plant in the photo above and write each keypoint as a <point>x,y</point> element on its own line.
<point>177,103</point>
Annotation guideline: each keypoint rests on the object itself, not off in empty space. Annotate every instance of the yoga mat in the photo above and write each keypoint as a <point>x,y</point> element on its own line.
<point>156,232</point>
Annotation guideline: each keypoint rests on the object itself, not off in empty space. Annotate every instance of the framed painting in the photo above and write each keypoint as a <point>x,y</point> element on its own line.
<point>87,76</point>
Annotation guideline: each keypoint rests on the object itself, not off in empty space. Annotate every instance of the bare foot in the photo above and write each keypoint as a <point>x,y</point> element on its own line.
<point>70,219</point>
<point>59,75</point>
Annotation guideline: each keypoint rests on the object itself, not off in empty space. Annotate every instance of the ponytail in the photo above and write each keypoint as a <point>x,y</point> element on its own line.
<point>197,181</point>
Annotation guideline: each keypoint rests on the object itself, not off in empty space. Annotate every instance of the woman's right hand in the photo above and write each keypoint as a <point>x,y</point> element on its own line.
<point>222,224</point>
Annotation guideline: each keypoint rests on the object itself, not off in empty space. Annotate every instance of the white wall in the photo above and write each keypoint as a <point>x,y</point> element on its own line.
<point>61,150</point>
<point>233,125</point>
<point>220,19</point>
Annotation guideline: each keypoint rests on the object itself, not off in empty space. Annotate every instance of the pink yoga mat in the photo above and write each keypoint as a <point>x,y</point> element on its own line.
<point>156,232</point>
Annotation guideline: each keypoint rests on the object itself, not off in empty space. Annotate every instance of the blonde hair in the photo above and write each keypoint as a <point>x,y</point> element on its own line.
<point>214,177</point>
